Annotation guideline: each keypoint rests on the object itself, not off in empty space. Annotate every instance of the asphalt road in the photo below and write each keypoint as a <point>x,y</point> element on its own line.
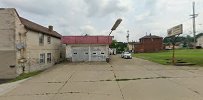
<point>121,79</point>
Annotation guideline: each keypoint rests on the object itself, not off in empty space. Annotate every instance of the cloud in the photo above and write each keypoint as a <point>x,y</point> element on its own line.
<point>103,8</point>
<point>33,6</point>
<point>88,29</point>
<point>96,17</point>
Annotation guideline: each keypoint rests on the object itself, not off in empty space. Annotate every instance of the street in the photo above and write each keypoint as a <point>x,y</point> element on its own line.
<point>121,79</point>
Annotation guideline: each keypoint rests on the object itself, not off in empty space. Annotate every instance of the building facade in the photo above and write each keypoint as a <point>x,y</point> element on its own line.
<point>87,48</point>
<point>25,46</point>
<point>131,46</point>
<point>200,41</point>
<point>150,43</point>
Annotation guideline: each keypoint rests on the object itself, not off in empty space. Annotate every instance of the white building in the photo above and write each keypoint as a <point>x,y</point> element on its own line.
<point>25,46</point>
<point>87,48</point>
<point>200,41</point>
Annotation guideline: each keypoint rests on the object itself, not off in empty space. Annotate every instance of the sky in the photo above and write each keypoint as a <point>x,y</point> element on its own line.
<point>96,17</point>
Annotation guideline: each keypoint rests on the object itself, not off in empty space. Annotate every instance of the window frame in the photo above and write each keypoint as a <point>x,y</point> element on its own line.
<point>49,58</point>
<point>42,58</point>
<point>41,39</point>
<point>49,39</point>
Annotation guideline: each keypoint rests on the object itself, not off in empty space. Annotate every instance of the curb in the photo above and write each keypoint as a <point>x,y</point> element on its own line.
<point>7,87</point>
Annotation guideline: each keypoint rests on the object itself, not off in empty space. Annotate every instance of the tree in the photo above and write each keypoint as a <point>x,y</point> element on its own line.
<point>113,44</point>
<point>120,46</point>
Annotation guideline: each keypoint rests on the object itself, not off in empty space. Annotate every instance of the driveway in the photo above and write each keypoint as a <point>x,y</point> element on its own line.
<point>121,79</point>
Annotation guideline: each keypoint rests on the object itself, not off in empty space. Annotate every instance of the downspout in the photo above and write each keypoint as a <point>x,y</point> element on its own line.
<point>22,40</point>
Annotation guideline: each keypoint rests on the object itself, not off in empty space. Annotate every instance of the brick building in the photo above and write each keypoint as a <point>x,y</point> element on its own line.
<point>25,46</point>
<point>149,43</point>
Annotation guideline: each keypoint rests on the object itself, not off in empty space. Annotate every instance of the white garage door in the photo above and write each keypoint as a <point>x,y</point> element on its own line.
<point>80,54</point>
<point>96,53</point>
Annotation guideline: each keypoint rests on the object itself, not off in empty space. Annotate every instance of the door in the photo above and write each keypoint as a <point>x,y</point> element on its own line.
<point>80,54</point>
<point>98,53</point>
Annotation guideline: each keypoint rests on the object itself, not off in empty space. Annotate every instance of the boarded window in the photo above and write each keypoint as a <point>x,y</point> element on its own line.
<point>48,57</point>
<point>42,58</point>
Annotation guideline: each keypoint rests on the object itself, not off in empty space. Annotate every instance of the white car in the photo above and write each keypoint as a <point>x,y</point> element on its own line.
<point>126,55</point>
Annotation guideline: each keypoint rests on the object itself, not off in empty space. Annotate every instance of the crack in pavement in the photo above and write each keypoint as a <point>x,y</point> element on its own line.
<point>118,84</point>
<point>71,92</point>
<point>179,84</point>
<point>64,84</point>
<point>133,79</point>
<point>195,91</point>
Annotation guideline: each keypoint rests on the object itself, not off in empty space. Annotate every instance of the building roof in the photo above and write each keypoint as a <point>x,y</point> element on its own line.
<point>87,39</point>
<point>151,36</point>
<point>38,28</point>
<point>132,43</point>
<point>34,26</point>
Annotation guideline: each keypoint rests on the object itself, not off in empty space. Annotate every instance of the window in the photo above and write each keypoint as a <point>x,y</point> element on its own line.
<point>94,53</point>
<point>49,39</point>
<point>86,53</point>
<point>102,53</point>
<point>42,58</point>
<point>75,53</point>
<point>48,57</point>
<point>41,39</point>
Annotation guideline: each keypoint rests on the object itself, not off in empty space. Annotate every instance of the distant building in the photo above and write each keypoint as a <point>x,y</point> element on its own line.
<point>149,43</point>
<point>87,48</point>
<point>177,45</point>
<point>25,46</point>
<point>131,46</point>
<point>199,39</point>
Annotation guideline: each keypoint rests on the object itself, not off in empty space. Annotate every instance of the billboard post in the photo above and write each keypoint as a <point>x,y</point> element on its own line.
<point>172,33</point>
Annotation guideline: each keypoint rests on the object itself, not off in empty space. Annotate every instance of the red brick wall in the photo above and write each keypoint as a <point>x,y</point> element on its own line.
<point>149,45</point>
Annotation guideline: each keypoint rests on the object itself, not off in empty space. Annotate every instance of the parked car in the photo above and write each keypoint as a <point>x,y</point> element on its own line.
<point>126,55</point>
<point>122,54</point>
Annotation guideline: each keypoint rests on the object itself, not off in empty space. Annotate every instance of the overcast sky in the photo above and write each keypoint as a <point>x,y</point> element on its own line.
<point>96,17</point>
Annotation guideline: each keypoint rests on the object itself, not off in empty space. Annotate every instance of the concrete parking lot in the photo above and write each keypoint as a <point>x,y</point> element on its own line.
<point>121,79</point>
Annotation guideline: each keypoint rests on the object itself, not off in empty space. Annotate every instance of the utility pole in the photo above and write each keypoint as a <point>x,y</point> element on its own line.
<point>128,39</point>
<point>127,36</point>
<point>194,15</point>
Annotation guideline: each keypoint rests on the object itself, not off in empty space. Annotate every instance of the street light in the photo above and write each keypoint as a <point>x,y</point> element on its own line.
<point>118,21</point>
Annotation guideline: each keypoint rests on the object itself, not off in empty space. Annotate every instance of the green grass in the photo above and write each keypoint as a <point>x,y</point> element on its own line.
<point>187,55</point>
<point>25,75</point>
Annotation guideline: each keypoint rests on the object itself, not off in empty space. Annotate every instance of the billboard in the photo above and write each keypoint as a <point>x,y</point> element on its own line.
<point>175,30</point>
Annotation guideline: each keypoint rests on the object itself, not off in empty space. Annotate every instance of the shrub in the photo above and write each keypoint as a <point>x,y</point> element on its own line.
<point>198,47</point>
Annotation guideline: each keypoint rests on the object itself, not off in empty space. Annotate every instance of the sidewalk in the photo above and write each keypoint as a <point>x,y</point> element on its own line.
<point>4,88</point>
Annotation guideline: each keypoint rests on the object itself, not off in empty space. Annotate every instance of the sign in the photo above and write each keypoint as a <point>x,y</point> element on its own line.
<point>175,30</point>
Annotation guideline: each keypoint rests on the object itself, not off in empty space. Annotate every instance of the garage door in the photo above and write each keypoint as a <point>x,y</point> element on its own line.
<point>80,54</point>
<point>98,53</point>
